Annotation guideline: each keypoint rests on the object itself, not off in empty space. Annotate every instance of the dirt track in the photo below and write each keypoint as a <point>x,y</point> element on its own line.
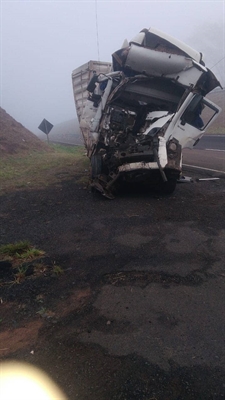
<point>139,311</point>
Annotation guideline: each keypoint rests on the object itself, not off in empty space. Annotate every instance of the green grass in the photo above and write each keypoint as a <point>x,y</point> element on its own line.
<point>57,270</point>
<point>41,169</point>
<point>22,255</point>
<point>20,250</point>
<point>15,249</point>
<point>67,149</point>
<point>18,253</point>
<point>31,253</point>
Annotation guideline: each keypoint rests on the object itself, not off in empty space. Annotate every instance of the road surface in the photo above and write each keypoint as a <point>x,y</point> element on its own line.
<point>210,142</point>
<point>209,153</point>
<point>136,311</point>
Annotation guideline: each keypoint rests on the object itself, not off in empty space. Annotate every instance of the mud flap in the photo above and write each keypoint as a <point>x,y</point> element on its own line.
<point>98,179</point>
<point>104,183</point>
<point>95,185</point>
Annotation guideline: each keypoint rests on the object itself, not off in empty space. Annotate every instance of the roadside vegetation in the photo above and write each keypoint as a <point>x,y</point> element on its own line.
<point>41,169</point>
<point>36,169</point>
<point>20,250</point>
<point>21,260</point>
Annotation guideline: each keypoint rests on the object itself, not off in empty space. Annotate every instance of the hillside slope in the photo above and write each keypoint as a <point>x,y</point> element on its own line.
<point>16,139</point>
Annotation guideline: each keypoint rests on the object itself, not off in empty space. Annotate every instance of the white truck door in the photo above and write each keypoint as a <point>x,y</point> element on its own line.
<point>192,119</point>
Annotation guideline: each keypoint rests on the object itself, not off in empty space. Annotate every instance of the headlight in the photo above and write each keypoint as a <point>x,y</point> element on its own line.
<point>172,146</point>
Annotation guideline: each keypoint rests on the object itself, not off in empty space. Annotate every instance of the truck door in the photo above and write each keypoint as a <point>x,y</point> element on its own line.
<point>191,121</point>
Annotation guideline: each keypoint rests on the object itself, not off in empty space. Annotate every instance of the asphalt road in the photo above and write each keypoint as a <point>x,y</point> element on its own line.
<point>210,142</point>
<point>138,313</point>
<point>209,154</point>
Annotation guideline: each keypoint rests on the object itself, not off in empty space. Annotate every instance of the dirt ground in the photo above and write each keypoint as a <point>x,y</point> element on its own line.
<point>138,311</point>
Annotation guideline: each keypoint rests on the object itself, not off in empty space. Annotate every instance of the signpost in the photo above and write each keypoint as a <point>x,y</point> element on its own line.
<point>45,126</point>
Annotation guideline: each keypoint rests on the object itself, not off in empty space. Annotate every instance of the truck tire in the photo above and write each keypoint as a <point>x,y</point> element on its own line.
<point>167,187</point>
<point>96,165</point>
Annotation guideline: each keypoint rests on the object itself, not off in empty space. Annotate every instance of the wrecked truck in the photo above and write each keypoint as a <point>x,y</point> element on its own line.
<point>138,112</point>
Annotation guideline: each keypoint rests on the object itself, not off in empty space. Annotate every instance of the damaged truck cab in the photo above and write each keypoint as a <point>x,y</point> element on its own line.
<point>138,113</point>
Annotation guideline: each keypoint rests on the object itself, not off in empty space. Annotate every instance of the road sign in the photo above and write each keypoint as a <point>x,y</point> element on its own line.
<point>45,126</point>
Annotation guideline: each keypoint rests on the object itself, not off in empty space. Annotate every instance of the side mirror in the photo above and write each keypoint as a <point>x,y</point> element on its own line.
<point>92,84</point>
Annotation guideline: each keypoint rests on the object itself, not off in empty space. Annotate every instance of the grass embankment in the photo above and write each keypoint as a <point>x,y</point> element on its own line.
<point>41,169</point>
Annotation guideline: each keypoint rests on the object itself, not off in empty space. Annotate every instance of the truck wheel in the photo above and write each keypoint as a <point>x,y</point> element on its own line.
<point>167,187</point>
<point>96,165</point>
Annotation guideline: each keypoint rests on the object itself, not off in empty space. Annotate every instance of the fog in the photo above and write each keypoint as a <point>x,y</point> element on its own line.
<point>43,41</point>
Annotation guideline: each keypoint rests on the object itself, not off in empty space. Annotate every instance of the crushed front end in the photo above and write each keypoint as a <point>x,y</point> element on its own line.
<point>129,142</point>
<point>138,117</point>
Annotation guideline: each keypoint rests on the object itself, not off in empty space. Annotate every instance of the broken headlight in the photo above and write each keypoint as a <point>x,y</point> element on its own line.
<point>172,148</point>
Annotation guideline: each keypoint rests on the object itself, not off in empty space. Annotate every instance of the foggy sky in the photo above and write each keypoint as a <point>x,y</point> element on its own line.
<point>42,42</point>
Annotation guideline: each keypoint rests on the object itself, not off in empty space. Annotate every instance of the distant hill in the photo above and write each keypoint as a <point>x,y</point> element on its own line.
<point>16,139</point>
<point>67,132</point>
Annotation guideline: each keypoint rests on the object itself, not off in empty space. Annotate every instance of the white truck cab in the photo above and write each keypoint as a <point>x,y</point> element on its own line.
<point>137,113</point>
